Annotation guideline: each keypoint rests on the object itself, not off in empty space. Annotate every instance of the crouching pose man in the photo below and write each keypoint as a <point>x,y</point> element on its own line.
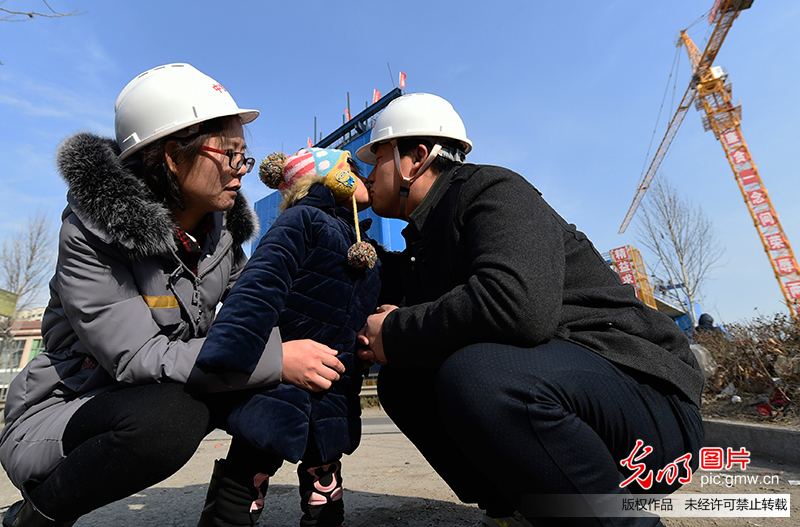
<point>518,363</point>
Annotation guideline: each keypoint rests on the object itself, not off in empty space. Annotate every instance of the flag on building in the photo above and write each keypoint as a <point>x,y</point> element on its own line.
<point>376,96</point>
<point>402,80</point>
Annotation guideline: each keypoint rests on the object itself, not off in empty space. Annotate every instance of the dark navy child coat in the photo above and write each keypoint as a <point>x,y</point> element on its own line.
<point>297,279</point>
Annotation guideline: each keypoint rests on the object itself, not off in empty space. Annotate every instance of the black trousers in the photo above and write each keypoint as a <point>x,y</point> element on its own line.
<point>124,441</point>
<point>505,425</point>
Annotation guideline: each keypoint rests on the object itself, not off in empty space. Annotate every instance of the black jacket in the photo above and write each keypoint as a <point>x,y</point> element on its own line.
<point>488,260</point>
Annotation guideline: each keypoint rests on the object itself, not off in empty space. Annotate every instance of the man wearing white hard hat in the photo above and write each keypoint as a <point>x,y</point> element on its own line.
<point>150,243</point>
<point>518,363</point>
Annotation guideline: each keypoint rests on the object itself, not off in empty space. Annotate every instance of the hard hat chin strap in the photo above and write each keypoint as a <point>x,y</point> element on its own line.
<point>405,185</point>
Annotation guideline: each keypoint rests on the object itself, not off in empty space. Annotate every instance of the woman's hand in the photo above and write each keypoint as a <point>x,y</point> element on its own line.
<point>310,365</point>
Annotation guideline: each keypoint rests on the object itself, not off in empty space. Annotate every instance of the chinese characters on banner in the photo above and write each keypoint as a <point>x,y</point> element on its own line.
<point>775,242</point>
<point>785,265</point>
<point>625,268</point>
<point>794,289</point>
<point>620,253</point>
<point>740,156</point>
<point>766,220</point>
<point>731,138</point>
<point>757,198</point>
<point>748,177</point>
<point>713,14</point>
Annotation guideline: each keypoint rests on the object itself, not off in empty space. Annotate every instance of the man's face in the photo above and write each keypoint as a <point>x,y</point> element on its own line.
<point>385,189</point>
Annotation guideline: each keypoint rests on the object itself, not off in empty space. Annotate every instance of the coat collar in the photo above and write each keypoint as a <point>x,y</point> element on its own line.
<point>115,205</point>
<point>417,218</point>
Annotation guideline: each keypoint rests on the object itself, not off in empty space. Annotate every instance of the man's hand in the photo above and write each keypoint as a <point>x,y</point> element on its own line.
<point>310,365</point>
<point>371,336</point>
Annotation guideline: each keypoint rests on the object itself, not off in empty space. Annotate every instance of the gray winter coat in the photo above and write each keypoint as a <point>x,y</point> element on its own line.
<point>124,310</point>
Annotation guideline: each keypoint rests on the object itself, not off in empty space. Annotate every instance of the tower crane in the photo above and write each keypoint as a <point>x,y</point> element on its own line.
<point>710,92</point>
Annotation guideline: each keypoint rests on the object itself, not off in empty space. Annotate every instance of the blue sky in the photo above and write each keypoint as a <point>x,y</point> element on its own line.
<point>565,93</point>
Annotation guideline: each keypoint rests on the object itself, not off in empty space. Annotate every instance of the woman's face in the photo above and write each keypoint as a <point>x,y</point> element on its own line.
<point>209,184</point>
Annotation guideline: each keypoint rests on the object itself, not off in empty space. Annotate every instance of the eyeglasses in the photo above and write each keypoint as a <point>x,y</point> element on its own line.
<point>237,159</point>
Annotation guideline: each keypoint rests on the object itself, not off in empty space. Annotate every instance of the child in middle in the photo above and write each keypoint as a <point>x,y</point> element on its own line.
<point>312,276</point>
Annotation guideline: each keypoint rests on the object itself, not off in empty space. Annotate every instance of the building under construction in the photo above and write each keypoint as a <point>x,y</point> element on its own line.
<point>353,134</point>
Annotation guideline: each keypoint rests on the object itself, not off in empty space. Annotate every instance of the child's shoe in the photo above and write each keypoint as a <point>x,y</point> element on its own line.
<point>321,495</point>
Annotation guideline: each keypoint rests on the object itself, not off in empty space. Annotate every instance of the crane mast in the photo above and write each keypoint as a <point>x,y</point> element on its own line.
<point>711,94</point>
<point>726,12</point>
<point>723,117</point>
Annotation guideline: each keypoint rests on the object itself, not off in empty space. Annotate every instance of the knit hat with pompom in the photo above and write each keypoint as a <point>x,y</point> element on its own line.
<point>282,172</point>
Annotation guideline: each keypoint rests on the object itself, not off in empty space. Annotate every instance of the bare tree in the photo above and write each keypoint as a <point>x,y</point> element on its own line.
<point>27,259</point>
<point>9,15</point>
<point>680,235</point>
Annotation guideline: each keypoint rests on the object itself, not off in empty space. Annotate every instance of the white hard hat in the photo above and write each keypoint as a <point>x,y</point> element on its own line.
<point>166,99</point>
<point>415,115</point>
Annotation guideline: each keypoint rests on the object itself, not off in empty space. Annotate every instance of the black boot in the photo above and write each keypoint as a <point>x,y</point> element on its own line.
<point>321,495</point>
<point>206,517</point>
<point>25,514</point>
<point>233,499</point>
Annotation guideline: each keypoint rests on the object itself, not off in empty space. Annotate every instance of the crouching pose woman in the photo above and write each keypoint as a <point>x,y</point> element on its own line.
<point>149,245</point>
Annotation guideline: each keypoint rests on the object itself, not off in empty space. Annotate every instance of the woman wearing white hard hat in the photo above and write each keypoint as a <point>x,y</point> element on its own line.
<point>150,243</point>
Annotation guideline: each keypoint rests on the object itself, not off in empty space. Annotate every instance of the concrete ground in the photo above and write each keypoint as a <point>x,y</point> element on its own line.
<point>388,483</point>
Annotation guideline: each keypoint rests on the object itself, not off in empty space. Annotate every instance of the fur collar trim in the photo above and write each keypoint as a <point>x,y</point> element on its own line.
<point>113,202</point>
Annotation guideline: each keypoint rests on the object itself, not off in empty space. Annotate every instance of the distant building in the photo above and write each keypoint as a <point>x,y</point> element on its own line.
<point>20,343</point>
<point>31,314</point>
<point>25,344</point>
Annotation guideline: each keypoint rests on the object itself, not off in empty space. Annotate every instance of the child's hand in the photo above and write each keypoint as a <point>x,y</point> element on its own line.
<point>310,365</point>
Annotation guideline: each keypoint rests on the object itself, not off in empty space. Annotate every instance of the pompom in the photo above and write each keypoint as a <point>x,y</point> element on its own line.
<point>271,169</point>
<point>362,255</point>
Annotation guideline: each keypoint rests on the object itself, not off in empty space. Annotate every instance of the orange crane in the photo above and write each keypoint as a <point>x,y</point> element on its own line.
<point>709,92</point>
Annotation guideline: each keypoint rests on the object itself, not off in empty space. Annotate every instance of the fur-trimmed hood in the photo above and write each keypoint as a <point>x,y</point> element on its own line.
<point>113,202</point>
